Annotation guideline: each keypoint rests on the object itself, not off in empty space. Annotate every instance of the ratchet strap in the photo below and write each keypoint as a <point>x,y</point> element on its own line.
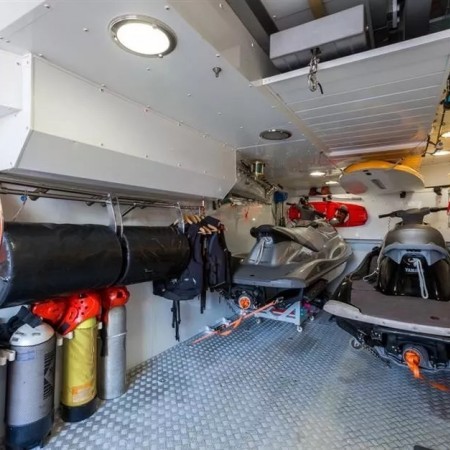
<point>226,330</point>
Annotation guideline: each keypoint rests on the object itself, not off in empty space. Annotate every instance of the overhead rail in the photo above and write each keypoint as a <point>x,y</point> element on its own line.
<point>34,190</point>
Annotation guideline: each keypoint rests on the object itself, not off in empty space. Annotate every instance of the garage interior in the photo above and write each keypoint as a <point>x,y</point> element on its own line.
<point>117,161</point>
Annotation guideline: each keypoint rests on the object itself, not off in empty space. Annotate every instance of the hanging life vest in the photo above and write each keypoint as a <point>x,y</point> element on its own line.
<point>209,267</point>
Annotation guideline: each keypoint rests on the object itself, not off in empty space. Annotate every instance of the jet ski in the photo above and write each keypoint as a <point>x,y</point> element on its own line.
<point>396,303</point>
<point>289,264</point>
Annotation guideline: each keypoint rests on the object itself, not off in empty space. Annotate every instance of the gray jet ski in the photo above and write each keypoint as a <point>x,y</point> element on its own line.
<point>291,261</point>
<point>397,302</point>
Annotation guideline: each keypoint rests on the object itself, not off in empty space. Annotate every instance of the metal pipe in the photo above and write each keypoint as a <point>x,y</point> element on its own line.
<point>71,195</point>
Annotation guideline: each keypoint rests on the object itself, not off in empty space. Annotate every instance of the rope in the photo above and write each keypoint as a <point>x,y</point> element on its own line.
<point>264,240</point>
<point>369,277</point>
<point>226,330</point>
<point>423,284</point>
<point>412,360</point>
<point>24,199</point>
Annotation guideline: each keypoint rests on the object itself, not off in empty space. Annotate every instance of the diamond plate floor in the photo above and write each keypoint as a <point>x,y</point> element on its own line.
<point>267,387</point>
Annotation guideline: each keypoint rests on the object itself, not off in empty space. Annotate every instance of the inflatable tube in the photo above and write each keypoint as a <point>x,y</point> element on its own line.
<point>38,261</point>
<point>151,253</point>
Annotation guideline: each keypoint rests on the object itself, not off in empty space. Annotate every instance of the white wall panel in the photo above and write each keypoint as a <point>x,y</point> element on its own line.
<point>149,316</point>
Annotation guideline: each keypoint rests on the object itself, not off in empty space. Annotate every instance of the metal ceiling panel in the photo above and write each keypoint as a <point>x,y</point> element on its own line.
<point>181,86</point>
<point>289,162</point>
<point>398,87</point>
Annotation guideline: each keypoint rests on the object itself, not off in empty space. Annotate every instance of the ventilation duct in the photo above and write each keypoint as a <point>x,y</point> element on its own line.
<point>58,127</point>
<point>335,35</point>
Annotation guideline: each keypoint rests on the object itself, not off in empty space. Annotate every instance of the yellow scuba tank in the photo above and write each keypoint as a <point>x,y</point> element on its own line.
<point>79,373</point>
<point>75,317</point>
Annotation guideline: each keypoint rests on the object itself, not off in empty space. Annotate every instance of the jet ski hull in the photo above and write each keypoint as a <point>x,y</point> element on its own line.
<point>288,277</point>
<point>392,324</point>
<point>301,260</point>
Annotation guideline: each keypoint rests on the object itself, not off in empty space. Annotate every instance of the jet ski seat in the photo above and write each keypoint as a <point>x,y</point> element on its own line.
<point>279,234</point>
<point>405,313</point>
<point>419,234</point>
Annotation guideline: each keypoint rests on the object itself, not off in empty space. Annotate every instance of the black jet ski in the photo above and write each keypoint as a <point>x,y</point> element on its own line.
<point>397,301</point>
<point>289,263</point>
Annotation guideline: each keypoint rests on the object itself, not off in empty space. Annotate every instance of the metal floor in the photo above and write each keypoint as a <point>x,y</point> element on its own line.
<point>267,387</point>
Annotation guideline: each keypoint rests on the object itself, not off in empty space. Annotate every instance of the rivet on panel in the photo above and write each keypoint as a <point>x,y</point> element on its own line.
<point>167,7</point>
<point>101,144</point>
<point>274,16</point>
<point>252,44</point>
<point>250,85</point>
<point>205,171</point>
<point>220,5</point>
<point>160,55</point>
<point>85,29</point>
<point>219,113</point>
<point>241,128</point>
<point>148,69</point>
<point>39,54</point>
<point>179,164</point>
<point>189,95</point>
<point>47,6</point>
<point>217,55</point>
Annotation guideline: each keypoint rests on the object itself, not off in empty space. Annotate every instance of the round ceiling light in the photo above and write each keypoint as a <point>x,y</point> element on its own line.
<point>317,173</point>
<point>142,35</point>
<point>275,134</point>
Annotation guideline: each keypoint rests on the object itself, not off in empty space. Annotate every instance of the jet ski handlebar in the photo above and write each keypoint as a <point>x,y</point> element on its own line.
<point>414,215</point>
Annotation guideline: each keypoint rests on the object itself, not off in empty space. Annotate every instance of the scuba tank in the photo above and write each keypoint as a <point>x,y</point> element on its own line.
<point>79,380</point>
<point>30,382</point>
<point>112,343</point>
<point>5,356</point>
<point>75,318</point>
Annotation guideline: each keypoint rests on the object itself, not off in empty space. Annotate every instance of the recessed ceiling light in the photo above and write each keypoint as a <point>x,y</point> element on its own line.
<point>441,152</point>
<point>317,173</point>
<point>446,134</point>
<point>275,135</point>
<point>331,182</point>
<point>142,35</point>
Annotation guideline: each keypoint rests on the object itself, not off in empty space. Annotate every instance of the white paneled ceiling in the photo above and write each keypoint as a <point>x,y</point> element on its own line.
<point>382,99</point>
